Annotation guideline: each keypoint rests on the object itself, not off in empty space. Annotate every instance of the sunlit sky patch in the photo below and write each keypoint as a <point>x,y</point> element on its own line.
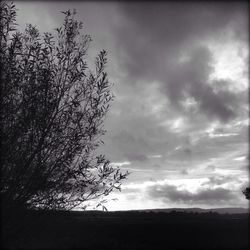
<point>179,122</point>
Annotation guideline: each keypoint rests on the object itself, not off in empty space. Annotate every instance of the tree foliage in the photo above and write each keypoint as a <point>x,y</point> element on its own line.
<point>246,192</point>
<point>52,112</point>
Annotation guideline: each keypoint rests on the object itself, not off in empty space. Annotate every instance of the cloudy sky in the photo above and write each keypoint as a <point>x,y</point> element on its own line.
<point>179,122</point>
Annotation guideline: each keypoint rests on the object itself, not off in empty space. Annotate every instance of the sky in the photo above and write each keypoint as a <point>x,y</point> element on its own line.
<point>179,121</point>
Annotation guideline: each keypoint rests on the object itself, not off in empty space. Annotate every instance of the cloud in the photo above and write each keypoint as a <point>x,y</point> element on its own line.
<point>171,193</point>
<point>130,146</point>
<point>184,172</point>
<point>190,80</point>
<point>210,168</point>
<point>119,164</point>
<point>240,158</point>
<point>152,30</point>
<point>163,42</point>
<point>154,156</point>
<point>219,180</point>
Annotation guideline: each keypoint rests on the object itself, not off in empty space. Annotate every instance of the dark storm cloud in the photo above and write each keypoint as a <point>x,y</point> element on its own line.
<point>155,36</point>
<point>191,79</point>
<point>170,193</point>
<point>155,29</point>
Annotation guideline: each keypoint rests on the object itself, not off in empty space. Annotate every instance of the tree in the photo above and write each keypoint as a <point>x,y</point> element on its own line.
<point>52,112</point>
<point>246,192</point>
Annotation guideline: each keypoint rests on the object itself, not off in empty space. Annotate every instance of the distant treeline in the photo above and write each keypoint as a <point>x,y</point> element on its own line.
<point>135,213</point>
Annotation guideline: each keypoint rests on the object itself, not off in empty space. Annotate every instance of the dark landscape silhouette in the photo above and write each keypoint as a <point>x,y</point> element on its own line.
<point>152,229</point>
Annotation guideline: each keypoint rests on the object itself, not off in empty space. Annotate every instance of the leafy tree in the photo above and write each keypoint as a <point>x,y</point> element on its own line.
<point>52,112</point>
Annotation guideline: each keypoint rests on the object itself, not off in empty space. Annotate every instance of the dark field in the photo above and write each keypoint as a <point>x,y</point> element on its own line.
<point>125,230</point>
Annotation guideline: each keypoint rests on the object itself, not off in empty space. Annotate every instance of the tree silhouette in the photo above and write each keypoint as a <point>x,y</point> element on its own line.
<point>52,112</point>
<point>246,192</point>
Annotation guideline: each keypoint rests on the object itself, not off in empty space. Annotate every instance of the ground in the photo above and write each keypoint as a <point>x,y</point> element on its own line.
<point>125,230</point>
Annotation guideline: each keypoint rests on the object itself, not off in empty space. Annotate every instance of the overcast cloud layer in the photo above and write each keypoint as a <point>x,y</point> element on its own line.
<point>179,122</point>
